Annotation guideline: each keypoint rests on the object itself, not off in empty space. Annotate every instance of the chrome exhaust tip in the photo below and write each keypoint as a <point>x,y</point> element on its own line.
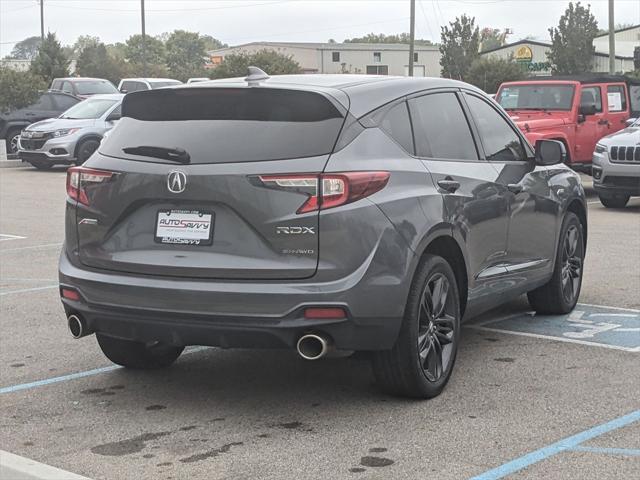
<point>312,347</point>
<point>77,326</point>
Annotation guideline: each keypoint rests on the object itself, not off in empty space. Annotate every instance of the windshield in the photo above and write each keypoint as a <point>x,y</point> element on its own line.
<point>91,108</point>
<point>536,97</point>
<point>93,87</point>
<point>155,85</point>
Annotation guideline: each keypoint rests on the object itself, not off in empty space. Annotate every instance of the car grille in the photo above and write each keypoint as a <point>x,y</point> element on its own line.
<point>625,154</point>
<point>30,144</point>
<point>616,181</point>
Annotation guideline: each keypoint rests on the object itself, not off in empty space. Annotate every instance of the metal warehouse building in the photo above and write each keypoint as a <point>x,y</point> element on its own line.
<point>370,58</point>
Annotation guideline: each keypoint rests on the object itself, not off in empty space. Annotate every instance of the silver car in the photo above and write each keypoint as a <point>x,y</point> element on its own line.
<point>73,136</point>
<point>616,167</point>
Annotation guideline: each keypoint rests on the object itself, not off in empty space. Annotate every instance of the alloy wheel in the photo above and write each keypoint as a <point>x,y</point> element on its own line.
<point>436,335</point>
<point>13,143</point>
<point>571,264</point>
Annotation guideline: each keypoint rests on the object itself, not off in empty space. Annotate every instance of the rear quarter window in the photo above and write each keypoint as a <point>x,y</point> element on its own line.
<point>616,98</point>
<point>224,125</point>
<point>395,122</point>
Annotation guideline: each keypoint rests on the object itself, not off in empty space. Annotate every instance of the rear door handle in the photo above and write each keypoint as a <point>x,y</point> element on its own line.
<point>603,122</point>
<point>448,185</point>
<point>514,187</point>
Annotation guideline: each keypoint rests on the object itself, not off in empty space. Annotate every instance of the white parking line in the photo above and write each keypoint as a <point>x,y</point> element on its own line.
<point>27,290</point>
<point>6,236</point>
<point>32,247</point>
<point>15,467</point>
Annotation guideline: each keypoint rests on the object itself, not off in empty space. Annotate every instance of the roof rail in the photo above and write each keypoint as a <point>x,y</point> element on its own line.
<point>255,75</point>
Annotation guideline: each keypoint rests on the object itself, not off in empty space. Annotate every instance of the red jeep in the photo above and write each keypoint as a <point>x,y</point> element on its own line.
<point>578,111</point>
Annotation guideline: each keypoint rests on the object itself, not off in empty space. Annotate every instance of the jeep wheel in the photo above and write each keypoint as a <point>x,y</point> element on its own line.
<point>614,201</point>
<point>421,361</point>
<point>560,294</point>
<point>138,355</point>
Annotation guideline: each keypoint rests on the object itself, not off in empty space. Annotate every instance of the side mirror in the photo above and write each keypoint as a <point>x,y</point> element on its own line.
<point>114,117</point>
<point>550,152</point>
<point>123,90</point>
<point>630,121</point>
<point>587,109</point>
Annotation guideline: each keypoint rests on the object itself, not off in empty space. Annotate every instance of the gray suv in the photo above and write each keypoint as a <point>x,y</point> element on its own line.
<point>73,136</point>
<point>616,167</point>
<point>316,212</point>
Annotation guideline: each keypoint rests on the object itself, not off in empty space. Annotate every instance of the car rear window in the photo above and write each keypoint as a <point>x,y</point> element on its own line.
<point>223,125</point>
<point>89,87</point>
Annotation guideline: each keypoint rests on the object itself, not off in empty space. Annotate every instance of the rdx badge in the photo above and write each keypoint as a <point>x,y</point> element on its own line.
<point>295,230</point>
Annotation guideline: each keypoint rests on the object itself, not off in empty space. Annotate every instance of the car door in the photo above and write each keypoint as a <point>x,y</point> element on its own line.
<point>474,202</point>
<point>590,128</point>
<point>617,107</point>
<point>533,208</point>
<point>42,109</point>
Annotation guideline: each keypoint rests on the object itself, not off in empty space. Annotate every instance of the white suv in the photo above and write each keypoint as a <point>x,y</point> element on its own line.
<point>128,85</point>
<point>616,166</point>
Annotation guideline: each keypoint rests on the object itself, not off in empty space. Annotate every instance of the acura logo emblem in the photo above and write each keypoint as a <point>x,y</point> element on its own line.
<point>176,181</point>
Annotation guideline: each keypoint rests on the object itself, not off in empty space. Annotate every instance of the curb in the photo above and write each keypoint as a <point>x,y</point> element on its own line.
<point>15,467</point>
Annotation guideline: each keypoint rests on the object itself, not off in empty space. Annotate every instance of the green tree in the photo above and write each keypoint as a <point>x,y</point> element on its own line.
<point>491,38</point>
<point>51,62</point>
<point>211,43</point>
<point>94,61</point>
<point>382,38</point>
<point>26,49</point>
<point>272,62</point>
<point>487,73</point>
<point>83,42</point>
<point>18,89</point>
<point>186,54</point>
<point>154,50</point>
<point>459,47</point>
<point>572,41</point>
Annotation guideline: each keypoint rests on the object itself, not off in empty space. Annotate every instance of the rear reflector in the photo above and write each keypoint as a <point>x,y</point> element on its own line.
<point>70,294</point>
<point>324,313</point>
<point>78,178</point>
<point>328,190</point>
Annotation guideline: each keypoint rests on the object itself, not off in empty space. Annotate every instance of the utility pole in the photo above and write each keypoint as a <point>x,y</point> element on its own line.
<point>412,35</point>
<point>42,20</point>
<point>144,41</point>
<point>612,40</point>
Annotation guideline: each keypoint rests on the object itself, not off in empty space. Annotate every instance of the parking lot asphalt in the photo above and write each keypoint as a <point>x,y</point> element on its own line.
<point>524,401</point>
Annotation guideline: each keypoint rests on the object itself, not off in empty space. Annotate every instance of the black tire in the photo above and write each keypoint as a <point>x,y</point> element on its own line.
<point>41,164</point>
<point>137,355</point>
<point>85,149</point>
<point>614,201</point>
<point>560,294</point>
<point>410,368</point>
<point>12,140</point>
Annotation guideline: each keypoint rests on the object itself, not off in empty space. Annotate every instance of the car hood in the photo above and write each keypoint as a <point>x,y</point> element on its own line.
<point>51,124</point>
<point>528,124</point>
<point>629,137</point>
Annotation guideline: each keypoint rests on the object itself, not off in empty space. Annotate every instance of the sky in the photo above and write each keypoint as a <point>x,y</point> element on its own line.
<point>242,21</point>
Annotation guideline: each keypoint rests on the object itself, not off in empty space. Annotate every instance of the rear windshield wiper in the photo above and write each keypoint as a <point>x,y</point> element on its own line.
<point>175,154</point>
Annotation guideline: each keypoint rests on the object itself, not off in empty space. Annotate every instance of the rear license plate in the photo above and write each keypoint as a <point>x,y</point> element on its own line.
<point>187,227</point>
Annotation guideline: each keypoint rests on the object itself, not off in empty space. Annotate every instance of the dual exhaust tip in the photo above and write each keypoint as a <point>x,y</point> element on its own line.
<point>313,346</point>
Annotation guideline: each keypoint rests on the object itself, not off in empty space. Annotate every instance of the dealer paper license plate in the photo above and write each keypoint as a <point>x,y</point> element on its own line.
<point>189,227</point>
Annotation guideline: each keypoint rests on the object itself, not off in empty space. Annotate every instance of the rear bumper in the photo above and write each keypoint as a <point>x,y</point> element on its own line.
<point>236,314</point>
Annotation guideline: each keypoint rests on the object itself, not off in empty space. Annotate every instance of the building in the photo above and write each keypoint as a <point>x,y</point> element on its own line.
<point>18,65</point>
<point>369,58</point>
<point>532,54</point>
<point>626,40</point>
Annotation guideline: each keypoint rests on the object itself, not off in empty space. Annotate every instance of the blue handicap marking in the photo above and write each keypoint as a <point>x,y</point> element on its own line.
<point>586,324</point>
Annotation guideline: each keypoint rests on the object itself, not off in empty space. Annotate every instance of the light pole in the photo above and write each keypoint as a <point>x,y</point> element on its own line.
<point>612,40</point>
<point>144,41</point>
<point>412,35</point>
<point>42,20</point>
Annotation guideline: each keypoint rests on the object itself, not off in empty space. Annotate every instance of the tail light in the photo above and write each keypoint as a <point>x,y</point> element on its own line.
<point>328,190</point>
<point>78,178</point>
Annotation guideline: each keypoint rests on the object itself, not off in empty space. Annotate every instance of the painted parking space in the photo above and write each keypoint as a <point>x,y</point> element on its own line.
<point>600,326</point>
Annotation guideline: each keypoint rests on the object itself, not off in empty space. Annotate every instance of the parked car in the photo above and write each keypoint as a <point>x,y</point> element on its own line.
<point>128,85</point>
<point>616,167</point>
<point>198,79</point>
<point>83,87</point>
<point>73,136</point>
<point>577,111</point>
<point>315,212</point>
<point>50,104</point>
